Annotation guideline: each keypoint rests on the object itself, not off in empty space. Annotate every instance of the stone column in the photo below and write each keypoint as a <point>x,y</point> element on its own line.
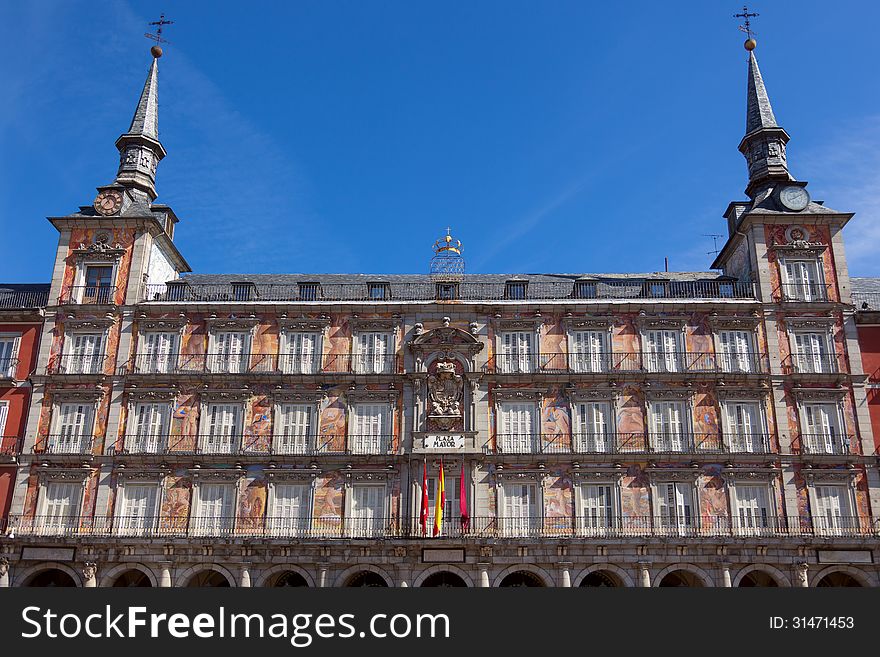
<point>565,574</point>
<point>322,576</point>
<point>90,574</point>
<point>165,574</point>
<point>644,574</point>
<point>244,578</point>
<point>484,575</point>
<point>801,578</point>
<point>403,584</point>
<point>725,575</point>
<point>4,572</point>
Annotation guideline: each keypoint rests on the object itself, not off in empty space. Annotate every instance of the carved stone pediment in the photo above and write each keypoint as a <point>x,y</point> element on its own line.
<point>364,394</point>
<point>283,475</point>
<point>124,474</point>
<point>812,475</point>
<point>445,339</point>
<point>225,394</point>
<point>598,474</point>
<point>518,394</point>
<point>669,393</point>
<point>375,323</point>
<point>89,323</point>
<point>590,322</point>
<point>98,251</point>
<point>217,474</point>
<point>752,475</point>
<point>672,322</point>
<point>755,393</point>
<point>822,323</point>
<point>318,325</point>
<point>231,323</point>
<point>63,474</point>
<point>78,394</point>
<point>593,394</point>
<point>819,394</point>
<point>502,474</point>
<point>742,322</point>
<point>152,394</point>
<point>663,475</point>
<point>163,324</point>
<point>379,476</point>
<point>298,395</point>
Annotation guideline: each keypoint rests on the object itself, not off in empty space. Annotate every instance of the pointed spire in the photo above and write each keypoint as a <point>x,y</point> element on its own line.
<point>139,149</point>
<point>759,113</point>
<point>763,145</point>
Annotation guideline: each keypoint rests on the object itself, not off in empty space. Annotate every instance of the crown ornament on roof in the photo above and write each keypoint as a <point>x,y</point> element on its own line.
<point>448,243</point>
<point>447,263</point>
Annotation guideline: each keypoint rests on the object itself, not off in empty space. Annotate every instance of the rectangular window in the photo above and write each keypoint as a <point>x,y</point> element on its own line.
<point>452,508</point>
<point>139,509</point>
<point>812,353</point>
<point>61,507</point>
<point>377,291</point>
<point>593,427</point>
<point>519,511</point>
<point>74,429</point>
<point>98,284</point>
<point>598,504</point>
<point>309,291</point>
<point>243,291</point>
<point>148,428</point>
<point>834,511</point>
<point>299,352</point>
<point>8,356</point>
<point>744,426</point>
<point>752,512</point>
<point>294,433</point>
<point>803,281</point>
<point>367,511</point>
<point>589,351</point>
<point>662,351</point>
<point>517,426</point>
<point>447,291</point>
<point>230,352</point>
<point>518,354</point>
<point>822,432</point>
<point>675,507</point>
<point>736,351</point>
<point>516,289</point>
<point>373,352</point>
<point>291,510</point>
<point>215,512</point>
<point>4,413</point>
<point>85,354</point>
<point>223,428</point>
<point>371,429</point>
<point>158,352</point>
<point>669,426</point>
<point>585,290</point>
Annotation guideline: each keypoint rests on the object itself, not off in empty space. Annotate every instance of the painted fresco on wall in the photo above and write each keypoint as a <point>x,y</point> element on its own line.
<point>252,501</point>
<point>698,334</point>
<point>631,418</point>
<point>552,340</point>
<point>625,334</point>
<point>258,423</point>
<point>558,500</point>
<point>30,497</point>
<point>555,420</point>
<point>635,501</point>
<point>85,237</point>
<point>706,418</point>
<point>738,264</point>
<point>713,496</point>
<point>328,503</point>
<point>174,516</point>
<point>332,423</point>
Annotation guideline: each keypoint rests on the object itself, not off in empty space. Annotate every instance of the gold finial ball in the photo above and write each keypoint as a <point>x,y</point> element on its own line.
<point>156,52</point>
<point>750,44</point>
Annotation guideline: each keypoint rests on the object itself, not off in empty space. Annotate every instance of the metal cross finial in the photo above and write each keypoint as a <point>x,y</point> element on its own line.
<point>747,26</point>
<point>448,230</point>
<point>157,37</point>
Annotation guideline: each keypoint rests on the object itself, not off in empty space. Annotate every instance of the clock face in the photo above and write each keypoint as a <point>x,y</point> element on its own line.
<point>794,198</point>
<point>108,202</point>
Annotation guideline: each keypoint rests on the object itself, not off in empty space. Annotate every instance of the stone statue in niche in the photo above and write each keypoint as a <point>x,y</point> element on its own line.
<point>445,389</point>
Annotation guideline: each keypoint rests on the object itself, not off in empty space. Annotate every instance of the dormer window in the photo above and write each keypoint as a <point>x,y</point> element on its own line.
<point>309,291</point>
<point>378,291</point>
<point>516,289</point>
<point>447,291</point>
<point>585,290</point>
<point>243,291</point>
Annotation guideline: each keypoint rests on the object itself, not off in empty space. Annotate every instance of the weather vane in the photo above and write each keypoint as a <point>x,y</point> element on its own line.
<point>747,26</point>
<point>157,37</point>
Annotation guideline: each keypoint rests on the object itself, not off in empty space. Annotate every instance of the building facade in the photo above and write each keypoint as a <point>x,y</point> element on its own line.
<point>866,298</point>
<point>664,429</point>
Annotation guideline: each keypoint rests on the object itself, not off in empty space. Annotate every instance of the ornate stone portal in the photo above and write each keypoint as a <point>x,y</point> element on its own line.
<point>445,397</point>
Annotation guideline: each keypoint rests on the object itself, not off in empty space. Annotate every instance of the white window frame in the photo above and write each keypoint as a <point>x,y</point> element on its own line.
<point>680,526</point>
<point>728,432</point>
<point>88,435</point>
<point>687,425</point>
<point>223,364</point>
<point>4,417</point>
<point>748,527</point>
<point>820,524</point>
<point>514,527</point>
<point>805,293</point>
<point>122,518</point>
<point>589,361</point>
<point>579,435</point>
<point>131,425</point>
<point>829,363</point>
<point>662,360</point>
<point>275,525</point>
<point>839,416</point>
<point>518,362</point>
<point>523,443</point>
<point>384,437</point>
<point>278,424</point>
<point>80,277</point>
<point>151,364</point>
<point>366,527</point>
<point>293,363</point>
<point>367,362</point>
<point>606,526</point>
<point>736,362</point>
<point>205,425</point>
<point>10,371</point>
<point>62,525</point>
<point>71,363</point>
<point>222,526</point>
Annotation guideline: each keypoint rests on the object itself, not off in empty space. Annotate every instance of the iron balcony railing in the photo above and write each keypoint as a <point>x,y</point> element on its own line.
<point>596,524</point>
<point>77,364</point>
<point>62,444</point>
<point>307,292</point>
<point>627,443</point>
<point>244,444</point>
<point>826,443</point>
<point>804,292</point>
<point>685,362</point>
<point>279,364</point>
<point>8,368</point>
<point>23,299</point>
<point>812,363</point>
<point>11,445</point>
<point>88,294</point>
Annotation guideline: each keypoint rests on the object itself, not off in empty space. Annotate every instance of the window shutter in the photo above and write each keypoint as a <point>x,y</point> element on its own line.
<point>4,413</point>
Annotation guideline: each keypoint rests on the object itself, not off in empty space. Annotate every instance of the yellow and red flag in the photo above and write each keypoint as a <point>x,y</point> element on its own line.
<point>439,501</point>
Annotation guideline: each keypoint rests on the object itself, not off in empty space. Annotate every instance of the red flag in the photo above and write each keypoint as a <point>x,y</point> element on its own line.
<point>462,501</point>
<point>423,517</point>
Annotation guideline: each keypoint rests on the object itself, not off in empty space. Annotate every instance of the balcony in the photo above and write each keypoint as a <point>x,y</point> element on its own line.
<point>101,295</point>
<point>596,526</point>
<point>10,446</point>
<point>8,368</point>
<point>685,362</point>
<point>627,443</point>
<point>237,444</point>
<point>15,299</point>
<point>829,444</point>
<point>64,445</point>
<point>803,292</point>
<point>267,364</point>
<point>183,292</point>
<point>77,364</point>
<point>812,363</point>
<point>746,443</point>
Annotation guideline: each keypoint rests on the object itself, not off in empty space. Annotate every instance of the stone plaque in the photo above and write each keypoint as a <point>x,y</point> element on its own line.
<point>47,553</point>
<point>845,556</point>
<point>442,555</point>
<point>444,442</point>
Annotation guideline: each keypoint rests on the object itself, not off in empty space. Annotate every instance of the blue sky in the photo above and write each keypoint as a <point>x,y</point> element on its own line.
<point>318,136</point>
